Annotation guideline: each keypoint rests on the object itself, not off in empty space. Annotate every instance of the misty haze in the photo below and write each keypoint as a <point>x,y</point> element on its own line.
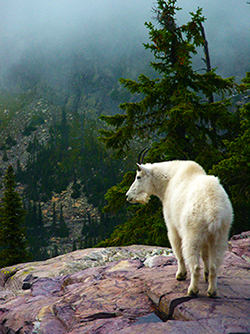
<point>49,41</point>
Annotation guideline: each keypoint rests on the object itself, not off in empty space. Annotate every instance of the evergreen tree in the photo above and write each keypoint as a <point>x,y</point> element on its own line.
<point>85,229</point>
<point>55,251</point>
<point>63,231</point>
<point>38,238</point>
<point>174,112</point>
<point>54,228</point>
<point>175,115</point>
<point>76,189</point>
<point>64,134</point>
<point>36,232</point>
<point>40,220</point>
<point>18,171</point>
<point>28,222</point>
<point>12,234</point>
<point>41,235</point>
<point>74,246</point>
<point>5,156</point>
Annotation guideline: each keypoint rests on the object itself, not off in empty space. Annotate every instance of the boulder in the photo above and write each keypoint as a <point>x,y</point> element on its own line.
<point>121,290</point>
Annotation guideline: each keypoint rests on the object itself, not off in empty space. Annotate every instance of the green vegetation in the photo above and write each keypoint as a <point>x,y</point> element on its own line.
<point>72,154</point>
<point>10,103</point>
<point>234,168</point>
<point>179,117</point>
<point>37,235</point>
<point>13,246</point>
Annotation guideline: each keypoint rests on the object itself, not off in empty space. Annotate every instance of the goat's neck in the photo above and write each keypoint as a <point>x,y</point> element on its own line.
<point>159,182</point>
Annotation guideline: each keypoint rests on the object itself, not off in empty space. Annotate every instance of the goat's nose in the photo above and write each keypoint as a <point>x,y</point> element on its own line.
<point>128,198</point>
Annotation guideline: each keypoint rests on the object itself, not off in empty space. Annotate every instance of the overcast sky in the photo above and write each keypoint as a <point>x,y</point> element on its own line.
<point>47,25</point>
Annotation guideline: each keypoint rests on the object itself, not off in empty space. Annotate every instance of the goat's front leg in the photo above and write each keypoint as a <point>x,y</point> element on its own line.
<point>175,242</point>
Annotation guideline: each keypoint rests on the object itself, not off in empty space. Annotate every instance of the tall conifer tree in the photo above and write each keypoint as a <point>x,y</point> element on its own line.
<point>12,233</point>
<point>54,227</point>
<point>63,231</point>
<point>175,114</point>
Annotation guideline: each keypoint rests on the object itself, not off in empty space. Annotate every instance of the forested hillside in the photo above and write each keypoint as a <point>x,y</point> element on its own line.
<point>49,129</point>
<point>62,170</point>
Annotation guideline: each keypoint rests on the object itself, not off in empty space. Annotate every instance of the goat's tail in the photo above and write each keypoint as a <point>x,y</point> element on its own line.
<point>221,221</point>
<point>218,209</point>
<point>215,225</point>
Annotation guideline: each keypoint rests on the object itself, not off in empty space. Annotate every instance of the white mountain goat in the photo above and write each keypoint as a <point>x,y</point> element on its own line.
<point>197,213</point>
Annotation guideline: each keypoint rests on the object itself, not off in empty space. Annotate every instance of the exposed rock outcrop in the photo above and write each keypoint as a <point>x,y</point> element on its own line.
<point>122,290</point>
<point>240,245</point>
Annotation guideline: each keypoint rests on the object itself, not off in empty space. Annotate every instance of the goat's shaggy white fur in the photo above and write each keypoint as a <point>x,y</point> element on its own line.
<point>197,212</point>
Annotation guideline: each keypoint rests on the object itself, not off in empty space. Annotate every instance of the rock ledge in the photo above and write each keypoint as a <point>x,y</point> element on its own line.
<point>123,290</point>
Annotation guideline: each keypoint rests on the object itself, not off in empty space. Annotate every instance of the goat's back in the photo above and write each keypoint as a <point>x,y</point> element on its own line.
<point>195,200</point>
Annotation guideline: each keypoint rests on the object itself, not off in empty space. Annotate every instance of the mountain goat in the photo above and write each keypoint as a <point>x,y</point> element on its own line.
<point>197,213</point>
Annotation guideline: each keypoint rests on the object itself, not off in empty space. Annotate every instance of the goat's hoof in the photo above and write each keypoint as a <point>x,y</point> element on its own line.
<point>212,294</point>
<point>181,276</point>
<point>193,292</point>
<point>206,276</point>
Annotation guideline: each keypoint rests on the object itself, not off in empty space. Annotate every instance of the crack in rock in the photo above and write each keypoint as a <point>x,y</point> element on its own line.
<point>100,315</point>
<point>173,304</point>
<point>176,302</point>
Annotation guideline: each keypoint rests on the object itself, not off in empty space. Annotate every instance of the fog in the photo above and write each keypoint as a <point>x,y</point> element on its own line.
<point>228,33</point>
<point>36,31</point>
<point>59,27</point>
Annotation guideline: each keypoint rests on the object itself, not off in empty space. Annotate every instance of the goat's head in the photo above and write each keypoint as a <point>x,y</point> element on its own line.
<point>140,189</point>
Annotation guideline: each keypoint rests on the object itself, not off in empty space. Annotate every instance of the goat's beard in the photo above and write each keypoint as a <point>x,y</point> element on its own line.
<point>142,198</point>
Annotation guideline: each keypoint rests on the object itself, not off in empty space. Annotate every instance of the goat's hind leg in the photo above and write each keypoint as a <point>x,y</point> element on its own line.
<point>205,259</point>
<point>191,253</point>
<point>176,245</point>
<point>217,249</point>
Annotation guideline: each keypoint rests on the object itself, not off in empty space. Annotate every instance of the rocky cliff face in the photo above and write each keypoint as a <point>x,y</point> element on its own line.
<point>15,121</point>
<point>123,290</point>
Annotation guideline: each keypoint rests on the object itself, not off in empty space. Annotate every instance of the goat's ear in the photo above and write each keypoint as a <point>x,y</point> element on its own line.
<point>145,169</point>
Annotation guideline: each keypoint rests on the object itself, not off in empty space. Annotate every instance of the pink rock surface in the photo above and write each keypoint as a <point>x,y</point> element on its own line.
<point>240,244</point>
<point>124,296</point>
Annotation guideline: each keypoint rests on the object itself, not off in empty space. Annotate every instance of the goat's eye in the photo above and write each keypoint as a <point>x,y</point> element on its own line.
<point>138,177</point>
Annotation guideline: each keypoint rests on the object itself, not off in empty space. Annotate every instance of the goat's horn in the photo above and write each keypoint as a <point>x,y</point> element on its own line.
<point>142,155</point>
